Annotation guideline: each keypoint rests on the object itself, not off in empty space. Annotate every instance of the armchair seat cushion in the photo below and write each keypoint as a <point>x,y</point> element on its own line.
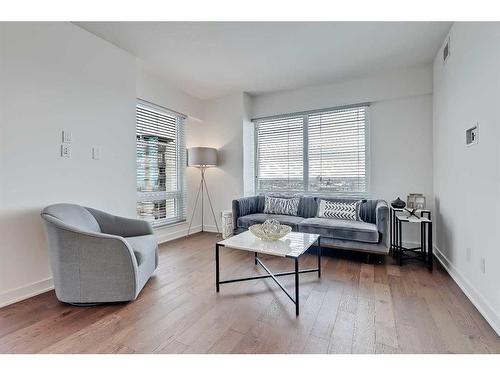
<point>249,220</point>
<point>144,247</point>
<point>341,229</point>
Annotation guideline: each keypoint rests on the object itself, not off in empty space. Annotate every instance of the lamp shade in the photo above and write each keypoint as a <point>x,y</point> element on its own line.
<point>202,157</point>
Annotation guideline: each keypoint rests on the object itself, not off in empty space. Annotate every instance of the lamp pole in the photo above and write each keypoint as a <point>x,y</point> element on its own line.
<point>201,189</point>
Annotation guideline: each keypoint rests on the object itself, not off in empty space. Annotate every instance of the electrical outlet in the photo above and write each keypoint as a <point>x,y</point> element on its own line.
<point>96,153</point>
<point>472,135</point>
<point>483,265</point>
<point>65,151</point>
<point>66,136</point>
<point>468,254</point>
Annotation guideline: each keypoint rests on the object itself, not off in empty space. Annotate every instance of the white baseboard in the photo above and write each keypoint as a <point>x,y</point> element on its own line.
<point>210,228</point>
<point>472,293</point>
<point>18,294</point>
<point>170,235</point>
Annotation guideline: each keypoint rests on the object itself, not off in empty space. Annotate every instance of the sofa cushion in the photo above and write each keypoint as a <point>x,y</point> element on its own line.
<point>307,207</point>
<point>368,211</point>
<point>341,229</point>
<point>248,220</point>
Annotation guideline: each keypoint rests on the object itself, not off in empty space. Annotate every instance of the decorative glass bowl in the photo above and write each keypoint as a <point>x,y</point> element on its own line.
<point>270,230</point>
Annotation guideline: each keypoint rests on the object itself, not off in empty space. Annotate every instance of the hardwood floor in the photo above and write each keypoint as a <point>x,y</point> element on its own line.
<point>355,307</point>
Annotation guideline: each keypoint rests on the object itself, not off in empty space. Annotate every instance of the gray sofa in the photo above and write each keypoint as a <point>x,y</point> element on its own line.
<point>97,257</point>
<point>370,235</point>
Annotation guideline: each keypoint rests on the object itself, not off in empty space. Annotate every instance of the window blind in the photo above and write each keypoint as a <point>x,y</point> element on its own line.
<point>280,151</point>
<point>320,151</point>
<point>160,147</point>
<point>337,151</point>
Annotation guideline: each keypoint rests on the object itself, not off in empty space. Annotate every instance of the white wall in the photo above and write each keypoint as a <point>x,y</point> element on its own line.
<point>223,129</point>
<point>401,148</point>
<point>393,85</point>
<point>152,87</point>
<point>56,76</point>
<point>400,126</point>
<point>467,179</point>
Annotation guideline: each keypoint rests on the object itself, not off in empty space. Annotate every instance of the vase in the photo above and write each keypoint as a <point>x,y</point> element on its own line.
<point>398,203</point>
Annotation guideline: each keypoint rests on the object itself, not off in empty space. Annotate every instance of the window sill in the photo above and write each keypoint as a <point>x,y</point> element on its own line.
<point>172,225</point>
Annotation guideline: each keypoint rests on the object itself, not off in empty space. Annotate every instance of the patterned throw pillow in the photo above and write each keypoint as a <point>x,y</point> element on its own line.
<point>281,206</point>
<point>338,210</point>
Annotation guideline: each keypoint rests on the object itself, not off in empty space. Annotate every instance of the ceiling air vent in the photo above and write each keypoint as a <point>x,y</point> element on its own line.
<point>446,50</point>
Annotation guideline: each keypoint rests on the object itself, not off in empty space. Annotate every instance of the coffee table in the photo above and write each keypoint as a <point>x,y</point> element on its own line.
<point>293,245</point>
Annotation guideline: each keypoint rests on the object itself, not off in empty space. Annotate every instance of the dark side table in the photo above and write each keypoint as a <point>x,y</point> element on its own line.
<point>424,251</point>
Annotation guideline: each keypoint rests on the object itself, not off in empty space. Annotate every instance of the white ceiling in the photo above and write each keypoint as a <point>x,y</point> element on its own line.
<point>212,59</point>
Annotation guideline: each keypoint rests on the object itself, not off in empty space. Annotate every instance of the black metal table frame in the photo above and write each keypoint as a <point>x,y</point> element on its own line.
<point>424,252</point>
<point>274,276</point>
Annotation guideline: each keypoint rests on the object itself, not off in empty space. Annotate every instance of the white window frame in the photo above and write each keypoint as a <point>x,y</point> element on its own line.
<point>180,194</point>
<point>305,153</point>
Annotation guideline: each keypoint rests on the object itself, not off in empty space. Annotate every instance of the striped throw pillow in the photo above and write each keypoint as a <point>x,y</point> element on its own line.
<point>281,206</point>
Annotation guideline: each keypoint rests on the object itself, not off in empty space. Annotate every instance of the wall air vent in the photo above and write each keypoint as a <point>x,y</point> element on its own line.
<point>446,50</point>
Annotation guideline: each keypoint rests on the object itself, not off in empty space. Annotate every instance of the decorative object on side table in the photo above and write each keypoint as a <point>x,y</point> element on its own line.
<point>270,230</point>
<point>420,203</point>
<point>416,200</point>
<point>412,212</point>
<point>398,203</point>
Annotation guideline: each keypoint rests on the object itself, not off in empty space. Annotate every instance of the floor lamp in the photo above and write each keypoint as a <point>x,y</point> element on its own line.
<point>202,158</point>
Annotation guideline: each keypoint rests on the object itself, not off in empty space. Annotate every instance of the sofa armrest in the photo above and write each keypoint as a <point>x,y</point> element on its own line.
<point>120,226</point>
<point>244,206</point>
<point>382,221</point>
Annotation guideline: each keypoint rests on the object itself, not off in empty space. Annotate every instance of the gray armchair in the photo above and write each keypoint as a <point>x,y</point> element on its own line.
<point>97,257</point>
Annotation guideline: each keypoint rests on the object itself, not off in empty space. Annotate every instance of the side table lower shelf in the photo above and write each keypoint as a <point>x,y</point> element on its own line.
<point>424,252</point>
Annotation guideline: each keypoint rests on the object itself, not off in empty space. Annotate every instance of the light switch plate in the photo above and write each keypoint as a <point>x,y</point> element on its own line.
<point>96,153</point>
<point>66,136</point>
<point>65,151</point>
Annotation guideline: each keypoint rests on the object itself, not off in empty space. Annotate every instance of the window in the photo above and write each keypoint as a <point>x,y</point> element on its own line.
<point>161,162</point>
<point>280,147</point>
<point>316,152</point>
